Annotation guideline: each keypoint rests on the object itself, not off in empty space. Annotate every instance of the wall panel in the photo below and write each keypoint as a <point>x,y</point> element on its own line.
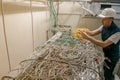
<point>4,66</point>
<point>19,37</point>
<point>41,24</point>
<point>18,27</point>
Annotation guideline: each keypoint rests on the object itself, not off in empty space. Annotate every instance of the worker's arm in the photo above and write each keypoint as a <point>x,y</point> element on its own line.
<point>97,42</point>
<point>95,32</point>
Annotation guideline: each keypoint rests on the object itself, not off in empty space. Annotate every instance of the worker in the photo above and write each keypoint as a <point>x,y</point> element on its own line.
<point>110,34</point>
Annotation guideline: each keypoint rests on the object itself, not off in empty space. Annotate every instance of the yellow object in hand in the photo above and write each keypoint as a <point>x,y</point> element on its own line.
<point>76,32</point>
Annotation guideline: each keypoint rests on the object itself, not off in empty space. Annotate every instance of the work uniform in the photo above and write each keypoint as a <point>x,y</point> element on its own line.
<point>111,52</point>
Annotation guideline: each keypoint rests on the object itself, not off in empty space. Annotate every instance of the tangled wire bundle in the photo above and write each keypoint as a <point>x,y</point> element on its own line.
<point>61,62</point>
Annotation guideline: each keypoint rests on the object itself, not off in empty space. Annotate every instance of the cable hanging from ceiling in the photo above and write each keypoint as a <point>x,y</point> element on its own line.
<point>31,12</point>
<point>6,42</point>
<point>54,23</point>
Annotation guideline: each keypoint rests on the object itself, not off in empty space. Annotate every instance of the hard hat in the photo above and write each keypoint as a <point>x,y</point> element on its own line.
<point>107,12</point>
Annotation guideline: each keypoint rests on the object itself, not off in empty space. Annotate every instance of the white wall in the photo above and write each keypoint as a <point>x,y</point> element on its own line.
<point>18,29</point>
<point>4,67</point>
<point>19,36</point>
<point>41,26</point>
<point>69,13</point>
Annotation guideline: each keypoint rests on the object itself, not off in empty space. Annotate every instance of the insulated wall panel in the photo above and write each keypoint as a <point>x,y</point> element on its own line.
<point>41,26</point>
<point>19,37</point>
<point>18,32</point>
<point>4,66</point>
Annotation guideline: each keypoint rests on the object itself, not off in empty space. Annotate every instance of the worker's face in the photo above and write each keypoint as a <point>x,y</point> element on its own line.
<point>106,21</point>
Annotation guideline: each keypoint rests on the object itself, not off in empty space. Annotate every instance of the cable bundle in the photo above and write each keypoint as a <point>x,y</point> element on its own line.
<point>62,62</point>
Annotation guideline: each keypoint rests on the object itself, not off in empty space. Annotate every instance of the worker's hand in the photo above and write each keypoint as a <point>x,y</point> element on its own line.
<point>84,35</point>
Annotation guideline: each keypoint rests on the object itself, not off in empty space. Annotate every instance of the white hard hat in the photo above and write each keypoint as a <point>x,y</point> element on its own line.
<point>108,12</point>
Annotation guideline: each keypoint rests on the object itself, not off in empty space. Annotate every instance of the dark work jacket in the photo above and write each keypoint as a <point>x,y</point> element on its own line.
<point>111,51</point>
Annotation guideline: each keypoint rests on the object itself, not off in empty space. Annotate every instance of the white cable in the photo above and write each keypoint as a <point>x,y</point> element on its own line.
<point>6,42</point>
<point>31,11</point>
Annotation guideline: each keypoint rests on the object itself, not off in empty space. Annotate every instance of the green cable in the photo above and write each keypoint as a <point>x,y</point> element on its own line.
<point>68,39</point>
